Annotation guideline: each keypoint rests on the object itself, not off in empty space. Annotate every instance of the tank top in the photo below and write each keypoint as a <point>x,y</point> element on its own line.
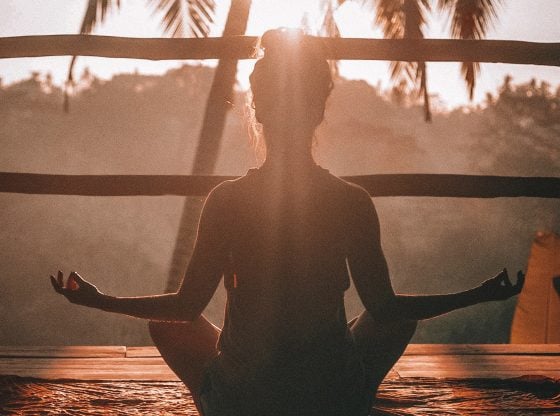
<point>285,343</point>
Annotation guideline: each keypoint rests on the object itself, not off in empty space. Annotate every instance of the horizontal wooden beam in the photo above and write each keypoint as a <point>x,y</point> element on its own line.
<point>242,47</point>
<point>432,185</point>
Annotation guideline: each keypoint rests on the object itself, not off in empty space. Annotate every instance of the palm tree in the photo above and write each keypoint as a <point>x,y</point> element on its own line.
<point>471,19</point>
<point>405,19</point>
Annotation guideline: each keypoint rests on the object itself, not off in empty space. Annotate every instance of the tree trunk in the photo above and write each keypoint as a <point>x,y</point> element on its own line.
<point>208,148</point>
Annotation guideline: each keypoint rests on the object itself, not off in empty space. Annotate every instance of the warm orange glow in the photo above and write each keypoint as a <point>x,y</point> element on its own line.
<point>270,14</point>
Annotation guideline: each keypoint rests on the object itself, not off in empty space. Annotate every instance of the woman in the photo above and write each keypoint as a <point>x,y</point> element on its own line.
<point>286,238</point>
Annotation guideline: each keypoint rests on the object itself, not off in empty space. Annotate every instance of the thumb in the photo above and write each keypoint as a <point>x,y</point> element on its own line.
<point>77,277</point>
<point>505,278</point>
<point>75,281</point>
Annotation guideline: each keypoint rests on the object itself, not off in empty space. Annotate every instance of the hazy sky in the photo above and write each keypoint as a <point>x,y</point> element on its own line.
<point>534,20</point>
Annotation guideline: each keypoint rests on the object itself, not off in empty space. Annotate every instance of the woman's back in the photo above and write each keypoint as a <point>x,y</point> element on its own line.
<point>285,328</point>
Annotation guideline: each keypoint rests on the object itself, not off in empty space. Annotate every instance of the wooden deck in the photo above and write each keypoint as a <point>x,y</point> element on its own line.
<point>465,361</point>
<point>429,380</point>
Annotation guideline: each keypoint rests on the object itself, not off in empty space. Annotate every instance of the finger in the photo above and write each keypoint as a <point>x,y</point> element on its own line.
<point>520,281</point>
<point>73,281</point>
<point>60,277</point>
<point>55,284</point>
<point>505,278</point>
<point>77,277</point>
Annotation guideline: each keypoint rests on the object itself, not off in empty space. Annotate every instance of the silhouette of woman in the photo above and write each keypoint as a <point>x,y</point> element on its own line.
<point>287,237</point>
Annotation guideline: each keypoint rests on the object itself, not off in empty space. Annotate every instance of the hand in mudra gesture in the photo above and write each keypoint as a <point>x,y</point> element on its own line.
<point>77,290</point>
<point>500,287</point>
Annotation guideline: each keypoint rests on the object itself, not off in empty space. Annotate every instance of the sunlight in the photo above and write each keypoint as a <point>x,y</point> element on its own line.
<point>270,14</point>
<point>519,21</point>
<point>309,15</point>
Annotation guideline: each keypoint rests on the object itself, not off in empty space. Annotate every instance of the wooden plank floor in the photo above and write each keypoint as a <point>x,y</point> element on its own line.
<point>464,361</point>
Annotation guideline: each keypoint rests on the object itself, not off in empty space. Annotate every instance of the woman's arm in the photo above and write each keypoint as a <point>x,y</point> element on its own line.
<point>199,284</point>
<point>429,306</point>
<point>79,291</point>
<point>370,274</point>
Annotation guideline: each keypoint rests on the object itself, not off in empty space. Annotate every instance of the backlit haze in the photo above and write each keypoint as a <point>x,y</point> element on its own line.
<point>518,20</point>
<point>136,124</point>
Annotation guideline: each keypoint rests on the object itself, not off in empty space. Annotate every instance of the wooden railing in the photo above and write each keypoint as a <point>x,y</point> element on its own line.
<point>459,186</point>
<point>242,47</point>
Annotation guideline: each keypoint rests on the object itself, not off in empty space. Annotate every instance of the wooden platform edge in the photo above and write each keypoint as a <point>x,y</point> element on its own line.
<point>74,351</point>
<point>119,351</point>
<point>482,349</point>
<point>144,363</point>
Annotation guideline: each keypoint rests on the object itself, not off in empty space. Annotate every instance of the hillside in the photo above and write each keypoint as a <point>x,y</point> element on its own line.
<point>137,124</point>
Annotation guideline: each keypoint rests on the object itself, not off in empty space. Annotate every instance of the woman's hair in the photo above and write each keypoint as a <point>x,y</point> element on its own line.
<point>292,81</point>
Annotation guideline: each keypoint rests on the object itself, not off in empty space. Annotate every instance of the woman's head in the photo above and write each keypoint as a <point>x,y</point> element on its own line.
<point>291,83</point>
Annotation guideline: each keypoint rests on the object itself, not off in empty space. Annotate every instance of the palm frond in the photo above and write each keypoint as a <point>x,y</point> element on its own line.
<point>329,26</point>
<point>200,18</point>
<point>405,19</point>
<point>197,15</point>
<point>389,15</point>
<point>173,20</point>
<point>96,12</point>
<point>471,19</point>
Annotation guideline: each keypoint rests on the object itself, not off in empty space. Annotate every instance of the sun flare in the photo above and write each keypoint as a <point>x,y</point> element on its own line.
<point>270,14</point>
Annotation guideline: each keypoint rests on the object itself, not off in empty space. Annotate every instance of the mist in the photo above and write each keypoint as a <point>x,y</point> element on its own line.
<point>138,124</point>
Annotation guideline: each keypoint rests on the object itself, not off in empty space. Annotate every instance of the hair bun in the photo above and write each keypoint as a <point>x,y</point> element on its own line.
<point>277,41</point>
<point>292,80</point>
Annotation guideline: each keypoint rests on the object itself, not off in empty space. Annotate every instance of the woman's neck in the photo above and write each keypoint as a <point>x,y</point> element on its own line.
<point>289,153</point>
<point>289,160</point>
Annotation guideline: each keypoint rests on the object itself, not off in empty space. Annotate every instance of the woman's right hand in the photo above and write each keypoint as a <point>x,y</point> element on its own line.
<point>500,287</point>
<point>77,290</point>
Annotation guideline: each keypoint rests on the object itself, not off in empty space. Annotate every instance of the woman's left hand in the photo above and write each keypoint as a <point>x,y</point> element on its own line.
<point>77,290</point>
<point>500,287</point>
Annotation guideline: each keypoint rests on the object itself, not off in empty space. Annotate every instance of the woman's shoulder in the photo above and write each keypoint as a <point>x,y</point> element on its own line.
<point>228,189</point>
<point>220,194</point>
<point>256,177</point>
<point>347,189</point>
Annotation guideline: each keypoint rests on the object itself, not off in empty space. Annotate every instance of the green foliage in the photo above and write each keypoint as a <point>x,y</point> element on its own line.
<point>521,130</point>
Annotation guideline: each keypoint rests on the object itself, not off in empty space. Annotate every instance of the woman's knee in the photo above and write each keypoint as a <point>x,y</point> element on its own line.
<point>372,332</point>
<point>400,329</point>
<point>366,319</point>
<point>409,326</point>
<point>199,336</point>
<point>165,327</point>
<point>167,331</point>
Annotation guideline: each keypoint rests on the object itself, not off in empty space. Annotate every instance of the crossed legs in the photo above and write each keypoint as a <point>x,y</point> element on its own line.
<point>381,343</point>
<point>189,347</point>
